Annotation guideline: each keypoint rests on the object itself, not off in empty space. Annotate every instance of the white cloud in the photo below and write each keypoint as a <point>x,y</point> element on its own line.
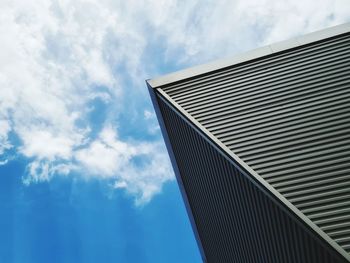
<point>148,115</point>
<point>4,142</point>
<point>43,170</point>
<point>140,168</point>
<point>106,155</point>
<point>57,56</point>
<point>203,30</point>
<point>43,144</point>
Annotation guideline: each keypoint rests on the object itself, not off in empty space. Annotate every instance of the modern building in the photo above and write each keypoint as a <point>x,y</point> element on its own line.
<point>260,145</point>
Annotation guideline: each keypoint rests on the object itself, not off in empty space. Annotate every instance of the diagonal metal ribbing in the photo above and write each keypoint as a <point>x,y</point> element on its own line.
<point>287,116</point>
<point>261,144</point>
<point>237,220</point>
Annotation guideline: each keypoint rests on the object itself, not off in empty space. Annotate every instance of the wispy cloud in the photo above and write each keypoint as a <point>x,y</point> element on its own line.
<point>57,58</point>
<point>4,142</point>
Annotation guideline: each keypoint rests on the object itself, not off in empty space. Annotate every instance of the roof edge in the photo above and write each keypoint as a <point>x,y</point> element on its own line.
<point>252,54</point>
<point>169,147</point>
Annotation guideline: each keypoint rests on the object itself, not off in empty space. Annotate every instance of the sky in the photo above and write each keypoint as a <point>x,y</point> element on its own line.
<point>84,173</point>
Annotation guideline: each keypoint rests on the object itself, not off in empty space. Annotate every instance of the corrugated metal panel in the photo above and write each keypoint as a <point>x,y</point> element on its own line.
<point>287,116</point>
<point>237,220</point>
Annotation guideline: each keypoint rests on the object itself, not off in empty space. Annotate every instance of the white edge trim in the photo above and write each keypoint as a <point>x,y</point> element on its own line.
<point>253,54</point>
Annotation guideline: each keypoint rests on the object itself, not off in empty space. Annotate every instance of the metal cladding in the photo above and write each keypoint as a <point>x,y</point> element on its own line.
<point>261,148</point>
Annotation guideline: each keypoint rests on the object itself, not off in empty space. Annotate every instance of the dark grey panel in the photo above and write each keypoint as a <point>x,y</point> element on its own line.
<point>287,116</point>
<point>236,218</point>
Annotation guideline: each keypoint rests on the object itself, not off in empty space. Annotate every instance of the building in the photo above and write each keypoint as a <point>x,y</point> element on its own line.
<point>260,145</point>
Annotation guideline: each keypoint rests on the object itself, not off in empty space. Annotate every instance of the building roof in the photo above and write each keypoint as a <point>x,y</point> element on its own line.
<point>282,112</point>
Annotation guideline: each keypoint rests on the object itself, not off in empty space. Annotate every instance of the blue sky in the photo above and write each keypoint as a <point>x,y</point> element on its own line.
<point>84,174</point>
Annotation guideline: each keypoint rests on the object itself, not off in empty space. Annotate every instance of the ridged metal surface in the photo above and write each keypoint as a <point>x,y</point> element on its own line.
<point>237,220</point>
<point>288,117</point>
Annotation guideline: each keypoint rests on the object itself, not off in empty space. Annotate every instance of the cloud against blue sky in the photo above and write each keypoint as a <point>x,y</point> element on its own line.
<point>72,96</point>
